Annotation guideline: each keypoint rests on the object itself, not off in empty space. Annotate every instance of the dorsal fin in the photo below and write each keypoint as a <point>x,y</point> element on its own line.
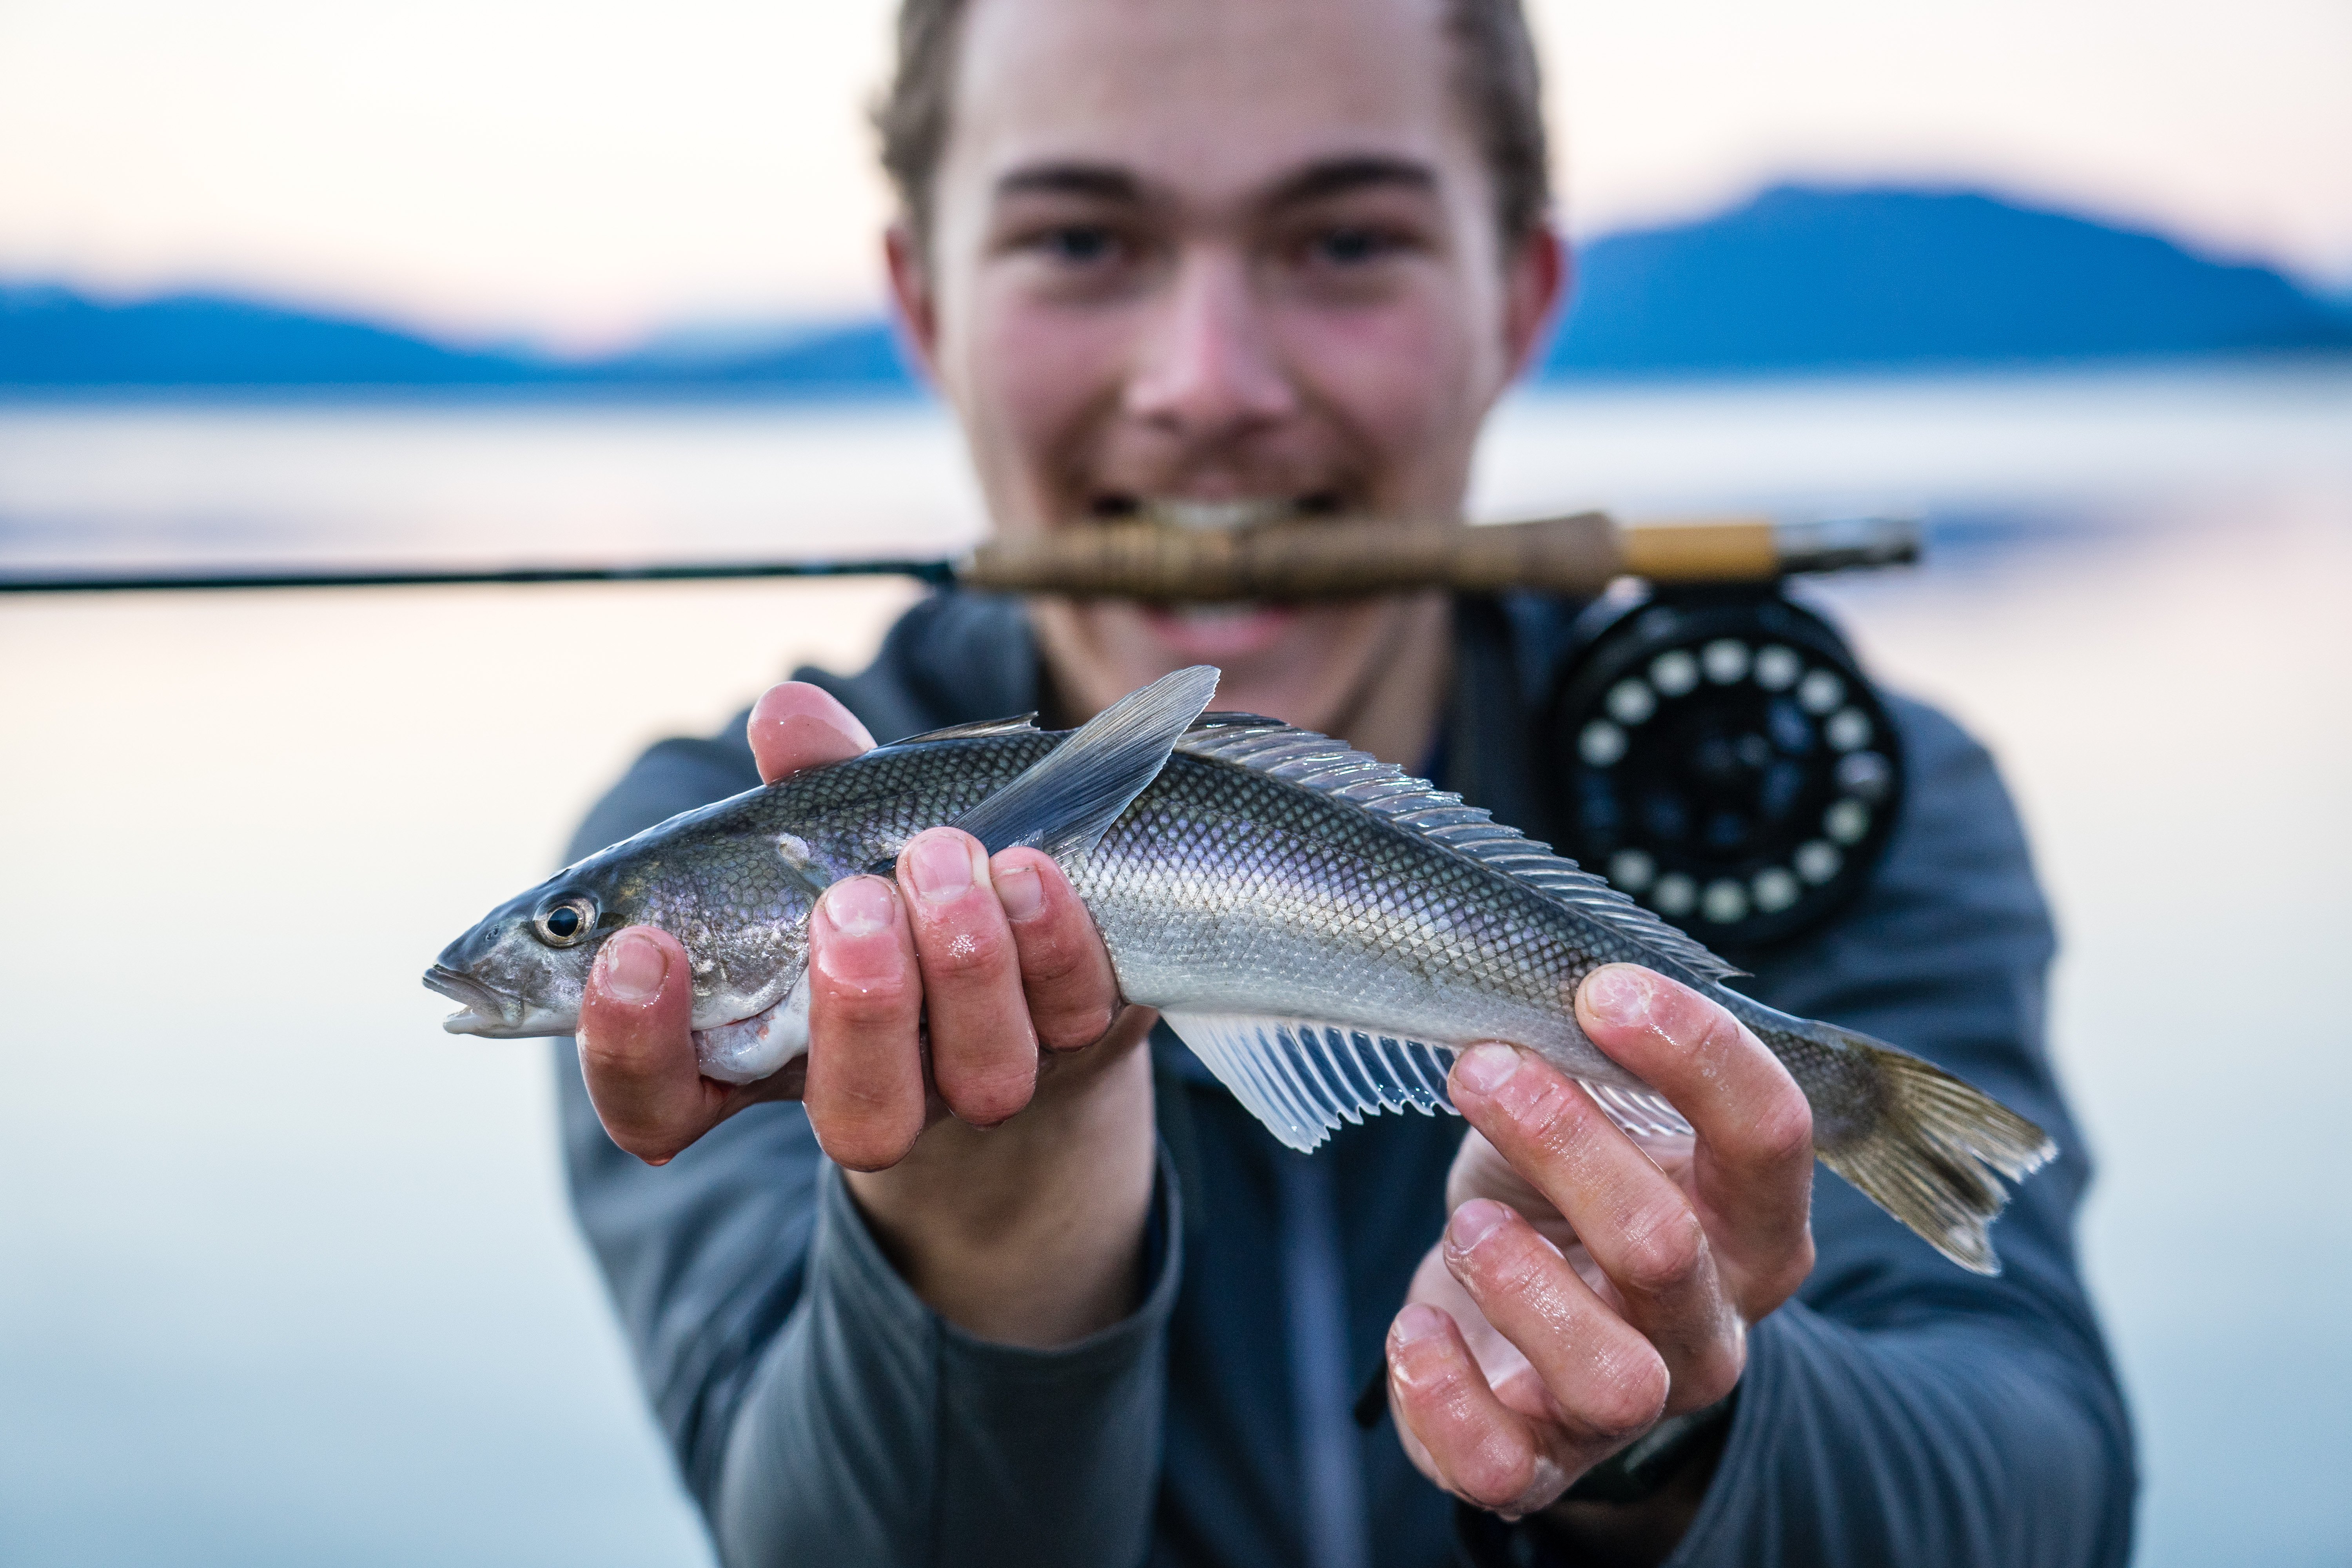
<point>1019,724</point>
<point>1065,800</point>
<point>1328,766</point>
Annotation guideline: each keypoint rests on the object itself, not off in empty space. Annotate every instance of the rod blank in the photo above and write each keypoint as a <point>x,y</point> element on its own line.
<point>1577,555</point>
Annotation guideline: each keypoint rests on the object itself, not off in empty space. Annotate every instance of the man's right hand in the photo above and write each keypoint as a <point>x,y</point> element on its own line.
<point>1025,1228</point>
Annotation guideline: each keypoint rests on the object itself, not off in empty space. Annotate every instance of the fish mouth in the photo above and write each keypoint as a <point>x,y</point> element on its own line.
<point>487,1010</point>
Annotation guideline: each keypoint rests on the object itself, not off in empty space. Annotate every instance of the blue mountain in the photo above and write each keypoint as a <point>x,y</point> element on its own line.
<point>1795,279</point>
<point>1803,278</point>
<point>53,339</point>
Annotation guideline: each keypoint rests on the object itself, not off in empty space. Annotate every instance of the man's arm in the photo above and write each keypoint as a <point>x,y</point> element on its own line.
<point>978,1242</point>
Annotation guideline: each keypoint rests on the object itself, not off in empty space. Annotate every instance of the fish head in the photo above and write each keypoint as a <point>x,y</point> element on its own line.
<point>523,967</point>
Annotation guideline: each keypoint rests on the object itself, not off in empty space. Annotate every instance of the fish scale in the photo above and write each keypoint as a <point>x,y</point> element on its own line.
<point>1324,931</point>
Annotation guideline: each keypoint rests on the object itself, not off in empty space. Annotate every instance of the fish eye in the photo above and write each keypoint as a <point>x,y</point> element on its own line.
<point>565,924</point>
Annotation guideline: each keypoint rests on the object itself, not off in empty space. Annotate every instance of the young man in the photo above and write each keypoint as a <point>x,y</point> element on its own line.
<point>1015,1282</point>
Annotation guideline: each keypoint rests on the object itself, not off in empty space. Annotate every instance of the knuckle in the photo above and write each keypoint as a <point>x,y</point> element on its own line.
<point>987,1096</point>
<point>1070,1029</point>
<point>1714,1032</point>
<point>1510,1265</point>
<point>1784,1128</point>
<point>962,948</point>
<point>1496,1473</point>
<point>882,1002</point>
<point>1049,957</point>
<point>1664,1250</point>
<point>1625,1401</point>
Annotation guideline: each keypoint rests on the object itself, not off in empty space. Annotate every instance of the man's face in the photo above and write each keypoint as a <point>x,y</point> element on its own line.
<point>1230,253</point>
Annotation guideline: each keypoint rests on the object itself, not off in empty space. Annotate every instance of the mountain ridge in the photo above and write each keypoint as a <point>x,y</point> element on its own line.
<point>1796,279</point>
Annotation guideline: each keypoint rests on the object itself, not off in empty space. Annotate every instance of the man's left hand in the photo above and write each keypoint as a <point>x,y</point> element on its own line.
<point>1589,1286</point>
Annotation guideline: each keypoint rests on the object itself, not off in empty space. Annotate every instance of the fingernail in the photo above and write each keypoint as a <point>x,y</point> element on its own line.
<point>940,864</point>
<point>1618,993</point>
<point>634,966</point>
<point>1021,890</point>
<point>859,906</point>
<point>1418,1323</point>
<point>1473,1222</point>
<point>1487,1067</point>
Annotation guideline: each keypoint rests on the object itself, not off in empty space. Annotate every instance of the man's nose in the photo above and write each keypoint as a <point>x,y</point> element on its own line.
<point>1208,364</point>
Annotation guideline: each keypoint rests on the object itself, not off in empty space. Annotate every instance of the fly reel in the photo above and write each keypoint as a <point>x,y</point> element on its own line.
<point>1722,759</point>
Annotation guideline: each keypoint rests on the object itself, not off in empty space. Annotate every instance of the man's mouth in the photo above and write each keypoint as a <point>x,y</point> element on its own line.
<point>1219,633</point>
<point>1214,512</point>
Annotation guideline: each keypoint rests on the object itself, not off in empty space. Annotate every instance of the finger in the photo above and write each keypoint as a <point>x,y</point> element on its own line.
<point>1752,1168</point>
<point>1065,970</point>
<point>1638,1227</point>
<point>983,1051</point>
<point>865,1088</point>
<point>1474,1446</point>
<point>636,1054</point>
<point>796,725</point>
<point>1607,1380</point>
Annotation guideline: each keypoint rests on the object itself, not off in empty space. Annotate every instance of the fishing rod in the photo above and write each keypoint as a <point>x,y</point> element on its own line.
<point>1578,555</point>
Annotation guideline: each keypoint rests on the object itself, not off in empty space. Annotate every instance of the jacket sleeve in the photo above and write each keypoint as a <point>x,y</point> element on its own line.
<point>1901,1410</point>
<point>819,1412</point>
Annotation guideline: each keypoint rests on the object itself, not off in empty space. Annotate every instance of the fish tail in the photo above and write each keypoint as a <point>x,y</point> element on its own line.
<point>1929,1149</point>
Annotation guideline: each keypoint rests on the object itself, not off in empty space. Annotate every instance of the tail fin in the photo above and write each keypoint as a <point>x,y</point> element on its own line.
<point>1929,1155</point>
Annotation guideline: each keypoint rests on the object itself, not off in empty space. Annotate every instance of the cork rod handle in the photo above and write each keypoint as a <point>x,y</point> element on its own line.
<point>1577,555</point>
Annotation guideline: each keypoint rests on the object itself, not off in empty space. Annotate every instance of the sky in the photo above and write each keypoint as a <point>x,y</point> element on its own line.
<point>579,172</point>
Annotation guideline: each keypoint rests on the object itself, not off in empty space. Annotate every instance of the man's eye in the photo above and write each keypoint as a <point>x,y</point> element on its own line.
<point>1077,245</point>
<point>1351,247</point>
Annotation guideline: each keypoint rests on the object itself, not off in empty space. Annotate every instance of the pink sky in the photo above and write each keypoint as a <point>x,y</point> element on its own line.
<point>582,172</point>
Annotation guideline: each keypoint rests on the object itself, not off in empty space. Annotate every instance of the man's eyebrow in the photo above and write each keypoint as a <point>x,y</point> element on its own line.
<point>1105,182</point>
<point>1338,176</point>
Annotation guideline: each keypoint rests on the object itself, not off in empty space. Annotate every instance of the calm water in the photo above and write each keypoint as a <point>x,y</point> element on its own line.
<point>285,1275</point>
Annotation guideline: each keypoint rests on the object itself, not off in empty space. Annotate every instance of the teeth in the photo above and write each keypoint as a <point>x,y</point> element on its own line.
<point>1227,514</point>
<point>1222,614</point>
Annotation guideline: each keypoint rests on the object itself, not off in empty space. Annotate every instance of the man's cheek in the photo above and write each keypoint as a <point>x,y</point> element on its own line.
<point>1397,370</point>
<point>1046,369</point>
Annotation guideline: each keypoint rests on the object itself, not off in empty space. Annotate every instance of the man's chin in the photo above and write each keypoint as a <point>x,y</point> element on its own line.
<point>1218,634</point>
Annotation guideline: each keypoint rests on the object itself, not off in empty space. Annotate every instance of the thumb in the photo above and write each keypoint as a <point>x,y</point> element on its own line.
<point>637,1050</point>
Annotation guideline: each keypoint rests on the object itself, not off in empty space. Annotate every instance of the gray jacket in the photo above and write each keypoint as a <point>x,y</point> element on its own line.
<point>1897,1411</point>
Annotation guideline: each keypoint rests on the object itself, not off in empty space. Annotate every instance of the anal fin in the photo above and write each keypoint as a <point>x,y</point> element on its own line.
<point>1303,1077</point>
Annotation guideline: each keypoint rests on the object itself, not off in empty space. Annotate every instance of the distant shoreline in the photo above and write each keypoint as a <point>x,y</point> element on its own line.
<point>1795,281</point>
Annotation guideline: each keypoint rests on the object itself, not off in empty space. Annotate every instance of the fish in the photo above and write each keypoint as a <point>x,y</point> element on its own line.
<point>1324,931</point>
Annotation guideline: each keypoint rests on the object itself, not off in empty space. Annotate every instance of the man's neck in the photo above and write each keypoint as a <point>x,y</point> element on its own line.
<point>1388,702</point>
<point>1395,710</point>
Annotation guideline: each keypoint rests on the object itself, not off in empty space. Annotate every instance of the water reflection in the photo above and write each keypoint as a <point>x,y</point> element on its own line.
<point>287,1277</point>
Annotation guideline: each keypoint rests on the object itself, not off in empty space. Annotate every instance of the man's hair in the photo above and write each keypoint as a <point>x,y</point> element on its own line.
<point>1496,81</point>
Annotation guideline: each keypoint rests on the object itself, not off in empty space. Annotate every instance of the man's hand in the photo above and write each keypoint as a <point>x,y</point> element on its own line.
<point>1588,1285</point>
<point>929,1000</point>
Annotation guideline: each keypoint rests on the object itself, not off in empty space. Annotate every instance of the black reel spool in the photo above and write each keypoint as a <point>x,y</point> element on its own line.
<point>1723,760</point>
